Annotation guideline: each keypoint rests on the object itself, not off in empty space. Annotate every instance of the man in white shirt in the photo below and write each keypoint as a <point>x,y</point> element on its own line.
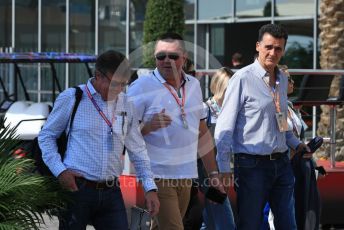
<point>169,104</point>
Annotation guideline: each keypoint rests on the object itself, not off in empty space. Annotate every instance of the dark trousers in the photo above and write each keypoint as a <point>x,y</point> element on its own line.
<point>103,208</point>
<point>307,199</point>
<point>259,181</point>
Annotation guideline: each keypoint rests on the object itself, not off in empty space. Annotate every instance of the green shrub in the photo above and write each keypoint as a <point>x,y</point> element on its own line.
<point>161,16</point>
<point>24,195</point>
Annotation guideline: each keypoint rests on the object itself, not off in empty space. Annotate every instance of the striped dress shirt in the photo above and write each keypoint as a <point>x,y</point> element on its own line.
<point>247,122</point>
<point>92,150</point>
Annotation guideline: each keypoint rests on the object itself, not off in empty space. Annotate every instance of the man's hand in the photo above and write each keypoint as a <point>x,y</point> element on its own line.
<point>67,180</point>
<point>227,181</point>
<point>304,148</point>
<point>158,121</point>
<point>152,202</point>
<point>215,181</point>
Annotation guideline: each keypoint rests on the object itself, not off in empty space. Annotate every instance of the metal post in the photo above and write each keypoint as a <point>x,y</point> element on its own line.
<point>207,51</point>
<point>96,27</point>
<point>333,136</point>
<point>67,43</point>
<point>127,29</point>
<point>314,121</point>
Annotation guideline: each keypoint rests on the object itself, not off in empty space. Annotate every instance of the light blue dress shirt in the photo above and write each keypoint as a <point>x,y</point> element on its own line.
<point>247,122</point>
<point>92,151</point>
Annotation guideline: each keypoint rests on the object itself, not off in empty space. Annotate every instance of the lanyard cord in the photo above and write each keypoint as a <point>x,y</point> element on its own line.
<point>109,123</point>
<point>180,103</point>
<point>275,95</point>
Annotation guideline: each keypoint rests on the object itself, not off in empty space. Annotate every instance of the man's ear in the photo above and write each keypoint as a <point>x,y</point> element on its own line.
<point>185,57</point>
<point>257,46</point>
<point>97,74</point>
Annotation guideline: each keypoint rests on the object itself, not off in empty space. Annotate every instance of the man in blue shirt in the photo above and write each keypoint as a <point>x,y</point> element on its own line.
<point>253,124</point>
<point>103,124</point>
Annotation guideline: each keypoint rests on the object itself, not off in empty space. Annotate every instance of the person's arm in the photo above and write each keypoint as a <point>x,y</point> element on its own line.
<point>206,152</point>
<point>56,123</point>
<point>136,96</point>
<point>139,157</point>
<point>297,145</point>
<point>226,123</point>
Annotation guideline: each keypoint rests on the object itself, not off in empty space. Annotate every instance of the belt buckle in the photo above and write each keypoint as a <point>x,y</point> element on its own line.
<point>271,157</point>
<point>98,186</point>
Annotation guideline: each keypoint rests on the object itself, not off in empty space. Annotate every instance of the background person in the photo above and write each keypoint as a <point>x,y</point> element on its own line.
<point>253,124</point>
<point>306,193</point>
<point>103,124</point>
<point>193,217</point>
<point>169,104</point>
<point>237,61</point>
<point>216,216</point>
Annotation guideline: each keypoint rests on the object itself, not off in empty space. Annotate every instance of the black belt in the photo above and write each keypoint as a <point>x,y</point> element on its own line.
<point>99,184</point>
<point>271,157</point>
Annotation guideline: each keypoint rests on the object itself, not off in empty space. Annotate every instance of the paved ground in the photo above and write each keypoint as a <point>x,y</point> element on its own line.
<point>53,224</point>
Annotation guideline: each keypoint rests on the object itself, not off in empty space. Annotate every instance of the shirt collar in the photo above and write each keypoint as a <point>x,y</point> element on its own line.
<point>263,73</point>
<point>162,80</point>
<point>90,86</point>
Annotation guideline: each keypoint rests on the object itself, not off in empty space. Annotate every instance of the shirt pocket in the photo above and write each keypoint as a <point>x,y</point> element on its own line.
<point>121,126</point>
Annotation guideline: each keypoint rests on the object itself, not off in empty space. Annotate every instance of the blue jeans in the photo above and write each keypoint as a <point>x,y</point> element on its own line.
<point>218,216</point>
<point>259,181</point>
<point>103,208</point>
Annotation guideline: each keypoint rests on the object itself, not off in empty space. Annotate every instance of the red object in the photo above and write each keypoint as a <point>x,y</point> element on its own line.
<point>331,188</point>
<point>132,191</point>
<point>19,153</point>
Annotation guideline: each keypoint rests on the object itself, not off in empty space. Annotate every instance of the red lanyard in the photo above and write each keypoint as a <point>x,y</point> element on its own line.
<point>181,103</point>
<point>109,123</point>
<point>275,95</point>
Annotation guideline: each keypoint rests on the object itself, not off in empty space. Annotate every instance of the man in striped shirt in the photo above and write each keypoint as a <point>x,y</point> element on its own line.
<point>103,124</point>
<point>253,125</point>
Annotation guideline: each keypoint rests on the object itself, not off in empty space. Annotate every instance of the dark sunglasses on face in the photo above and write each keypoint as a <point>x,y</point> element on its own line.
<point>161,56</point>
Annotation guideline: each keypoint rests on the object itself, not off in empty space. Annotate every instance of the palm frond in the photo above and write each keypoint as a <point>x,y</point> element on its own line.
<point>8,140</point>
<point>24,196</point>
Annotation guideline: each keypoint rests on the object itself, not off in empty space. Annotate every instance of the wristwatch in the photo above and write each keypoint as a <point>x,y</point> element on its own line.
<point>213,173</point>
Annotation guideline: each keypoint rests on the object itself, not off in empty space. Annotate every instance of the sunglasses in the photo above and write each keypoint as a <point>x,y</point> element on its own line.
<point>172,56</point>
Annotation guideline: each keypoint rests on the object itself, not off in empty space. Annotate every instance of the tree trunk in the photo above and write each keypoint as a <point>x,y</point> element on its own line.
<point>331,25</point>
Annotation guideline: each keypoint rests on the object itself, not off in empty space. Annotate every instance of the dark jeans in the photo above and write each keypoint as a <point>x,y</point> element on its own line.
<point>259,181</point>
<point>193,217</point>
<point>307,198</point>
<point>103,208</point>
<point>218,216</point>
